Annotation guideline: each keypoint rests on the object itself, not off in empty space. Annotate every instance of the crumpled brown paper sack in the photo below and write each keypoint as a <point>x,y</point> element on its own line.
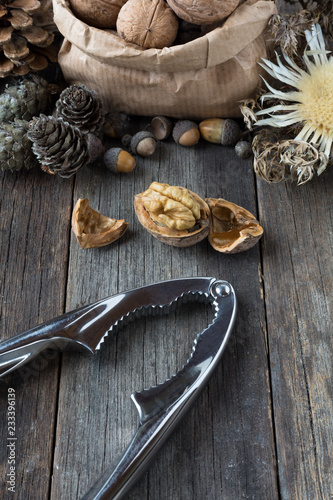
<point>203,78</point>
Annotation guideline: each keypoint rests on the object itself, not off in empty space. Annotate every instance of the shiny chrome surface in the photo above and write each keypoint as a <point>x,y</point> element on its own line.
<point>162,407</point>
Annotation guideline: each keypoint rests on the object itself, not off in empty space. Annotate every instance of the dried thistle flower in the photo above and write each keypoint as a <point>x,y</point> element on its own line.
<point>277,160</point>
<point>311,102</point>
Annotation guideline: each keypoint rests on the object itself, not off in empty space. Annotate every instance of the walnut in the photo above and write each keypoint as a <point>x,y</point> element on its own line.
<point>203,11</point>
<point>148,23</point>
<point>173,214</point>
<point>93,229</point>
<point>233,229</point>
<point>99,13</point>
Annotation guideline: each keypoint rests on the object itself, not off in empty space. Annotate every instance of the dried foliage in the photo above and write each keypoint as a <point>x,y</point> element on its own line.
<point>288,31</point>
<point>322,10</point>
<point>248,108</point>
<point>278,159</point>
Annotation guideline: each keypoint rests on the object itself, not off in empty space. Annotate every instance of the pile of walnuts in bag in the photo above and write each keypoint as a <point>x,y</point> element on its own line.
<point>155,23</point>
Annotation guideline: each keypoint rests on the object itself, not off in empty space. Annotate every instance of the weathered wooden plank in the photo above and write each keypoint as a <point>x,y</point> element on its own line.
<point>225,447</point>
<point>34,211</point>
<point>297,267</point>
<point>298,278</point>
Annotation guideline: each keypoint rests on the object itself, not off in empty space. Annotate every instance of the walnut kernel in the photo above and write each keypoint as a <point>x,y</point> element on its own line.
<point>173,214</point>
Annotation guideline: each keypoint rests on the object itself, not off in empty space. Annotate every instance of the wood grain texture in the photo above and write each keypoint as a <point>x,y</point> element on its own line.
<point>33,268</point>
<point>263,428</point>
<point>225,446</point>
<point>299,317</point>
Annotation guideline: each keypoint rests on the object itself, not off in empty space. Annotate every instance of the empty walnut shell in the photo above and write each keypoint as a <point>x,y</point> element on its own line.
<point>148,23</point>
<point>233,229</point>
<point>170,235</point>
<point>93,229</point>
<point>203,11</point>
<point>99,13</point>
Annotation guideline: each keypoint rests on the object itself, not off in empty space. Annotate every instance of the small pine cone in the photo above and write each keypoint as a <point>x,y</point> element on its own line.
<point>15,147</point>
<point>60,148</point>
<point>27,33</point>
<point>23,101</point>
<point>81,107</point>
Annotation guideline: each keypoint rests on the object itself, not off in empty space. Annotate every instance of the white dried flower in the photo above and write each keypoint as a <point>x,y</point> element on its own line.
<point>312,101</point>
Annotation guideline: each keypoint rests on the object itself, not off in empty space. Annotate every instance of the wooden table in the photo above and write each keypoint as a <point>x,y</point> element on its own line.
<point>263,428</point>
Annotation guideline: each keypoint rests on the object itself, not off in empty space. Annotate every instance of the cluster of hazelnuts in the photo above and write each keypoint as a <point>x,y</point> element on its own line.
<point>226,132</point>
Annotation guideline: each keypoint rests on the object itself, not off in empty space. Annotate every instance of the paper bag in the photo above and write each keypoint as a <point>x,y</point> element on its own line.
<point>204,78</point>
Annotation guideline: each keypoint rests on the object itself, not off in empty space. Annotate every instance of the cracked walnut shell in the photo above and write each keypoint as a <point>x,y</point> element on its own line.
<point>202,11</point>
<point>172,214</point>
<point>93,229</point>
<point>233,229</point>
<point>148,23</point>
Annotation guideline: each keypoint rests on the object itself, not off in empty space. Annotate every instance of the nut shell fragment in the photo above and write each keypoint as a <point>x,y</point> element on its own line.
<point>233,229</point>
<point>173,214</point>
<point>93,229</point>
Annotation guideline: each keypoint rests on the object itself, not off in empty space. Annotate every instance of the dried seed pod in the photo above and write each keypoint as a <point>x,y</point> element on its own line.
<point>186,133</point>
<point>220,131</point>
<point>243,149</point>
<point>143,143</point>
<point>118,160</point>
<point>233,229</point>
<point>161,127</point>
<point>172,214</point>
<point>93,229</point>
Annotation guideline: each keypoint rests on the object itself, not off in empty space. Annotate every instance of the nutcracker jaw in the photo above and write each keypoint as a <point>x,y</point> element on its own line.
<point>161,407</point>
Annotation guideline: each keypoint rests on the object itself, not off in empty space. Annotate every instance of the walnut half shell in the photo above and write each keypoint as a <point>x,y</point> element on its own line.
<point>172,214</point>
<point>93,229</point>
<point>233,229</point>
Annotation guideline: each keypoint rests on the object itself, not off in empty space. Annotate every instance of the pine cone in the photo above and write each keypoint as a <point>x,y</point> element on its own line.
<point>15,147</point>
<point>26,36</point>
<point>81,107</point>
<point>60,148</point>
<point>28,98</point>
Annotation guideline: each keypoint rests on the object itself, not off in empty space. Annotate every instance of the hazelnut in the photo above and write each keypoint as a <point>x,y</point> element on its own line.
<point>93,229</point>
<point>243,149</point>
<point>203,11</point>
<point>233,229</point>
<point>99,13</point>
<point>143,143</point>
<point>220,131</point>
<point>172,214</point>
<point>118,160</point>
<point>161,127</point>
<point>148,23</point>
<point>186,133</point>
<point>116,124</point>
